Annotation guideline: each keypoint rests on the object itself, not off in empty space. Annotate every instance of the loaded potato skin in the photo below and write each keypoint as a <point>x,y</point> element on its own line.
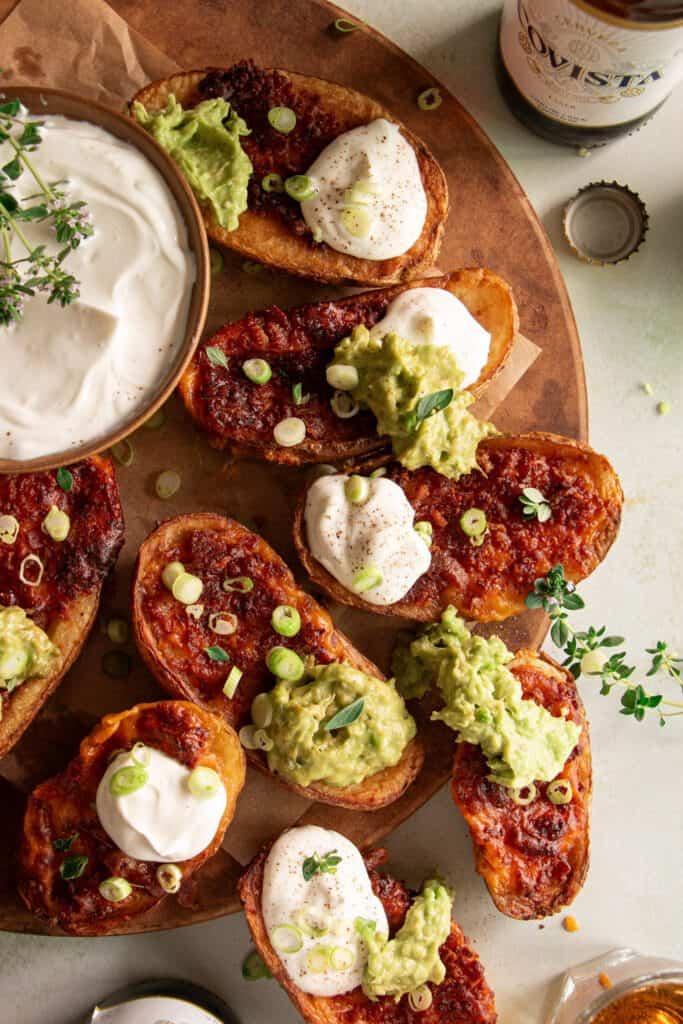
<point>61,822</point>
<point>533,858</point>
<point>464,996</point>
<point>490,582</point>
<point>174,644</point>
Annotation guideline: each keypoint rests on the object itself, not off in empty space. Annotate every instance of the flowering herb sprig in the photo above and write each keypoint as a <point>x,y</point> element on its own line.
<point>39,270</point>
<point>586,651</point>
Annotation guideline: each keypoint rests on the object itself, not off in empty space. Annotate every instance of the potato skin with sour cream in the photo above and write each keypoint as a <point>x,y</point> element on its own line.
<point>491,582</point>
<point>65,602</point>
<point>533,858</point>
<point>173,645</point>
<point>299,343</point>
<point>64,806</point>
<point>270,230</point>
<point>464,996</point>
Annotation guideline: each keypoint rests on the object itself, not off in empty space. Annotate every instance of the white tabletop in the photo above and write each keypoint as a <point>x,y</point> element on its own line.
<point>630,319</point>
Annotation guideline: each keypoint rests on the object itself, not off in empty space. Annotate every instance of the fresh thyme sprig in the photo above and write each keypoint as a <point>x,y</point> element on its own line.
<point>585,651</point>
<point>39,270</point>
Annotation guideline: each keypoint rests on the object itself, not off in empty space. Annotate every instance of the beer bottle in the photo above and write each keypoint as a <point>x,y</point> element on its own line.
<point>583,72</point>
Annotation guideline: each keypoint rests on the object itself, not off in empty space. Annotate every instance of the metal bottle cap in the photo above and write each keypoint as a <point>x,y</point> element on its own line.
<point>605,222</point>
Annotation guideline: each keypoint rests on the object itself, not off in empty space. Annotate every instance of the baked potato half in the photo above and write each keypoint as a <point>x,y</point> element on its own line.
<point>298,343</point>
<point>174,645</point>
<point>490,582</point>
<point>272,230</point>
<point>533,858</point>
<point>57,583</point>
<point>61,821</point>
<point>464,996</point>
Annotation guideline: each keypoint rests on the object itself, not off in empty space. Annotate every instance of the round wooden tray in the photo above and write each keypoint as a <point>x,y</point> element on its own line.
<point>491,224</point>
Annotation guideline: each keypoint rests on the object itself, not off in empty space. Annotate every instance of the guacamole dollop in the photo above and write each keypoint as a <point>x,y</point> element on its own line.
<point>205,143</point>
<point>399,965</point>
<point>304,751</point>
<point>393,376</point>
<point>521,741</point>
<point>25,649</point>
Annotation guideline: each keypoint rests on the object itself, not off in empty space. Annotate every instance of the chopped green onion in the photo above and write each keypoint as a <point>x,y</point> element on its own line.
<point>272,183</point>
<point>123,453</point>
<point>377,473</point>
<point>203,782</point>
<point>367,579</point>
<point>664,408</point>
<point>56,524</point>
<point>246,737</point>
<point>318,959</point>
<point>115,889</point>
<point>282,119</point>
<point>343,405</point>
<point>169,877</point>
<point>171,573</point>
<point>357,221</point>
<point>523,796</point>
<point>216,259</point>
<point>647,388</point>
<point>128,779</point>
<point>216,653</point>
<point>217,356</point>
<point>37,578</point>
<point>286,938</point>
<point>298,394</point>
<point>425,531</point>
<point>344,26</point>
<point>311,931</point>
<point>195,611</point>
<point>263,740</point>
<point>167,484</point>
<point>9,529</point>
<point>252,267</point>
<point>232,682</point>
<point>300,187</point>
<point>357,489</point>
<point>429,99</point>
<point>156,420</point>
<point>223,623</point>
<point>141,753</point>
<point>289,432</point>
<point>420,999</point>
<point>187,588</point>
<point>242,584</point>
<point>257,370</point>
<point>285,664</point>
<point>362,192</point>
<point>560,791</point>
<point>286,620</point>
<point>342,377</point>
<point>73,867</point>
<point>117,631</point>
<point>342,958</point>
<point>473,522</point>
<point>117,664</point>
<point>254,969</point>
<point>262,711</point>
<point>65,478</point>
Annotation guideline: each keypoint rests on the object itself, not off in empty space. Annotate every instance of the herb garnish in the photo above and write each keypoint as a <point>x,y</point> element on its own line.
<point>216,356</point>
<point>65,479</point>
<point>64,844</point>
<point>535,504</point>
<point>73,867</point>
<point>298,395</point>
<point>437,401</point>
<point>39,270</point>
<point>346,715</point>
<point>216,653</point>
<point>326,865</point>
<point>584,651</point>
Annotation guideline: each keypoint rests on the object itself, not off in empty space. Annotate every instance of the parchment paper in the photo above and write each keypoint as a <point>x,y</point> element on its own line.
<point>84,46</point>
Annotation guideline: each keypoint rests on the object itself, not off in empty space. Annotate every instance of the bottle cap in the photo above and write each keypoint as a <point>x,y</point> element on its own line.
<point>605,222</point>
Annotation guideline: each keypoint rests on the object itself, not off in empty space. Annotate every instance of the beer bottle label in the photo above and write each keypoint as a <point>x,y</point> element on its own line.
<point>579,67</point>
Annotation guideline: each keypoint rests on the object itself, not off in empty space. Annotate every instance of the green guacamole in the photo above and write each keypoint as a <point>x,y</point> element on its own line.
<point>205,143</point>
<point>521,741</point>
<point>25,650</point>
<point>399,965</point>
<point>393,376</point>
<point>305,752</point>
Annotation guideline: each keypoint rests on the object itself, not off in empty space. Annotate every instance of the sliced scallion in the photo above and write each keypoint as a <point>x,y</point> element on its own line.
<point>286,620</point>
<point>282,119</point>
<point>128,779</point>
<point>377,473</point>
<point>342,958</point>
<point>195,611</point>
<point>272,183</point>
<point>187,588</point>
<point>203,781</point>
<point>117,664</point>
<point>169,877</point>
<point>357,489</point>
<point>473,522</point>
<point>117,631</point>
<point>344,26</point>
<point>285,664</point>
<point>560,791</point>
<point>523,796</point>
<point>263,740</point>
<point>241,584</point>
<point>232,682</point>
<point>115,889</point>
<point>56,524</point>
<point>298,394</point>
<point>262,711</point>
<point>9,529</point>
<point>257,370</point>
<point>300,187</point>
<point>123,453</point>
<point>246,737</point>
<point>141,753</point>
<point>216,259</point>
<point>289,432</point>
<point>156,420</point>
<point>425,531</point>
<point>223,623</point>
<point>286,938</point>
<point>167,484</point>
<point>429,99</point>
<point>420,999</point>
<point>343,405</point>
<point>367,579</point>
<point>318,959</point>
<point>342,377</point>
<point>253,968</point>
<point>357,221</point>
<point>31,577</point>
<point>171,573</point>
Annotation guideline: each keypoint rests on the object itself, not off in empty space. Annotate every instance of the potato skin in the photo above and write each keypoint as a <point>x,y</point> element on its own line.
<point>66,601</point>
<point>491,582</point>
<point>64,806</point>
<point>299,343</point>
<point>534,859</point>
<point>464,996</point>
<point>262,233</point>
<point>173,645</point>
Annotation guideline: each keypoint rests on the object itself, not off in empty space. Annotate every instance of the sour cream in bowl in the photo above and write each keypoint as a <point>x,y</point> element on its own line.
<point>78,378</point>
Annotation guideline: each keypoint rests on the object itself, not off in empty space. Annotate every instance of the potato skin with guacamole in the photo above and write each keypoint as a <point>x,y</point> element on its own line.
<point>463,997</point>
<point>173,644</point>
<point>533,858</point>
<point>62,811</point>
<point>491,582</point>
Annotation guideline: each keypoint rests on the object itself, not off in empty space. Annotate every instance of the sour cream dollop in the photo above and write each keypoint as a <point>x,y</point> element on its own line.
<point>329,903</point>
<point>435,316</point>
<point>162,820</point>
<point>71,375</point>
<point>373,172</point>
<point>347,538</point>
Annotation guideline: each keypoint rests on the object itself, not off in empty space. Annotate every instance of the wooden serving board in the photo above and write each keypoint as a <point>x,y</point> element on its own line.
<point>491,224</point>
